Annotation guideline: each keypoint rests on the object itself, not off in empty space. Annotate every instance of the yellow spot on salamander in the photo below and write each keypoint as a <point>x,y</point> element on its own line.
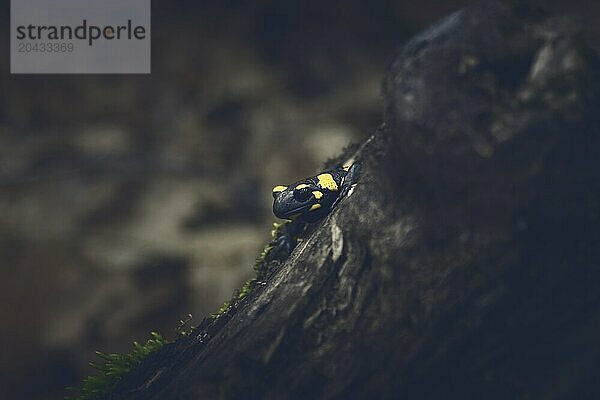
<point>326,181</point>
<point>317,194</point>
<point>314,207</point>
<point>301,186</point>
<point>346,167</point>
<point>279,188</point>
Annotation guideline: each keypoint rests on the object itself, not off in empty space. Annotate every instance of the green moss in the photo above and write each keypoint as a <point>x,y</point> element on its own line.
<point>276,227</point>
<point>265,252</point>
<point>222,310</point>
<point>263,255</point>
<point>114,366</point>
<point>185,327</point>
<point>260,260</point>
<point>248,286</point>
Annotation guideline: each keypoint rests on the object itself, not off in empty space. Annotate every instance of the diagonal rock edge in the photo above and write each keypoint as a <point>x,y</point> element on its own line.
<point>465,262</point>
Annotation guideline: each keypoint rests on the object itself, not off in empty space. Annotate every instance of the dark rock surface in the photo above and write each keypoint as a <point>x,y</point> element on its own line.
<point>465,263</point>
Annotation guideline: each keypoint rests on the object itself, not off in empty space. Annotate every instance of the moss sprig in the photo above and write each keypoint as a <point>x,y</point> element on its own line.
<point>113,366</point>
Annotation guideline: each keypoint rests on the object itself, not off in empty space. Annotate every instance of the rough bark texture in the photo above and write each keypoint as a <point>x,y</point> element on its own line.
<point>465,263</point>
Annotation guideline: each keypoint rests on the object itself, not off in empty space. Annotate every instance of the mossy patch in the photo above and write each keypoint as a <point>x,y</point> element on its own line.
<point>113,366</point>
<point>185,327</point>
<point>246,288</point>
<point>277,226</point>
<point>249,285</point>
<point>222,310</point>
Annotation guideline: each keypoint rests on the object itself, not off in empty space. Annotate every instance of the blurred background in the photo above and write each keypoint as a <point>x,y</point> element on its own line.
<point>127,202</point>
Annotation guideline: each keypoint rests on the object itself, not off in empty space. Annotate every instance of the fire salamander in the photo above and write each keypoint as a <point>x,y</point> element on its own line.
<point>313,198</point>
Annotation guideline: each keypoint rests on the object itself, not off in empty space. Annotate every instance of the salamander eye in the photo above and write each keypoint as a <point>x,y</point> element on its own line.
<point>302,194</point>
